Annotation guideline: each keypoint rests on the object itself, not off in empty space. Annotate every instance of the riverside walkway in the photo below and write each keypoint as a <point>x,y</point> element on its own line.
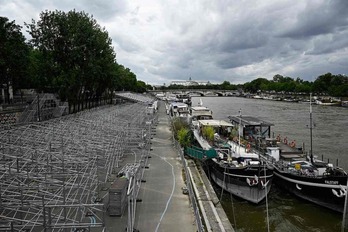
<point>164,207</point>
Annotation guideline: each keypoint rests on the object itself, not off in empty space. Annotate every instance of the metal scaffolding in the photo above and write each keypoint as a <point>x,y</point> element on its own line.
<point>52,173</point>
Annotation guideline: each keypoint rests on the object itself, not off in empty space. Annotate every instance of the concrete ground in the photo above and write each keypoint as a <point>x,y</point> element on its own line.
<point>164,207</point>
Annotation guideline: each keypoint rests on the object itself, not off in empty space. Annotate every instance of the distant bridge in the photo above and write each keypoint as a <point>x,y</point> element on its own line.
<point>199,92</point>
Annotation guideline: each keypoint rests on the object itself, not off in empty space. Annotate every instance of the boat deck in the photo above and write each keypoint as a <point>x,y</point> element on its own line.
<point>202,142</point>
<point>289,153</point>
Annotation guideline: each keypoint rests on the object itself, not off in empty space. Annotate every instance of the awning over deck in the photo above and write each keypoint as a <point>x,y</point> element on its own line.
<point>214,123</point>
<point>253,128</point>
<point>248,121</point>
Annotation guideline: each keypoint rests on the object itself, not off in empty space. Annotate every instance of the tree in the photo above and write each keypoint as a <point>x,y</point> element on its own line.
<point>126,79</point>
<point>141,87</point>
<point>13,56</point>
<point>225,85</point>
<point>256,84</point>
<point>78,59</point>
<point>278,78</point>
<point>322,83</point>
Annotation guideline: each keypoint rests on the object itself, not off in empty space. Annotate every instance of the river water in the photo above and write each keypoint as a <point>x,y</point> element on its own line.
<point>286,213</point>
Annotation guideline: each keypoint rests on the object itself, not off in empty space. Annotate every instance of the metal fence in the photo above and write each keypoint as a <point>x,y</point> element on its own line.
<point>192,196</point>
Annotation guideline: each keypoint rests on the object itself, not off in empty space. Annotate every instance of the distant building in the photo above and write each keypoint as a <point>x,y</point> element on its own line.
<point>203,83</point>
<point>190,83</point>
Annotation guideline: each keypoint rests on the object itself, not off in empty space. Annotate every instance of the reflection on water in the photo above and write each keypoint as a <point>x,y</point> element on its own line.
<point>330,134</point>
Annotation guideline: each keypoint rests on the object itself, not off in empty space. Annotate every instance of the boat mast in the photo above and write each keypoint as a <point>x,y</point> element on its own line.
<point>239,129</point>
<point>311,127</point>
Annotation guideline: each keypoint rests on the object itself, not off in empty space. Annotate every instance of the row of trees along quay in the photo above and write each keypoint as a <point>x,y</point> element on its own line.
<point>330,84</point>
<point>68,54</point>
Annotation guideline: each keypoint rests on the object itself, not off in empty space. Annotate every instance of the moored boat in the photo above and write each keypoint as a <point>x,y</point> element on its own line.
<point>297,172</point>
<point>235,168</point>
<point>313,180</point>
<point>185,98</point>
<point>178,109</point>
<point>328,102</point>
<point>198,113</point>
<point>317,182</point>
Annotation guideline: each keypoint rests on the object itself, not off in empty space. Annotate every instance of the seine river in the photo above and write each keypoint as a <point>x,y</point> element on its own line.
<point>330,134</point>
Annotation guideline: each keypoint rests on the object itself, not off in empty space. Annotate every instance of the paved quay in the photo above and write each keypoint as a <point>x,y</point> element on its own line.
<point>214,215</point>
<point>164,207</point>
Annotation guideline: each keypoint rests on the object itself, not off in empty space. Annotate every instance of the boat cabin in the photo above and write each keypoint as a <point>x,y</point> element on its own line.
<point>253,128</point>
<point>200,113</point>
<point>221,128</point>
<point>178,109</point>
<point>185,98</point>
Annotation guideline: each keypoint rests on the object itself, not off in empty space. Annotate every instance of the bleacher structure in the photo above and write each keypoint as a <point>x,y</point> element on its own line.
<point>52,173</point>
<point>43,107</point>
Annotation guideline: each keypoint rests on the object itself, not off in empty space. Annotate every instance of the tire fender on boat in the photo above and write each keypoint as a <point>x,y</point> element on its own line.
<point>285,140</point>
<point>264,184</point>
<point>342,193</point>
<point>252,182</point>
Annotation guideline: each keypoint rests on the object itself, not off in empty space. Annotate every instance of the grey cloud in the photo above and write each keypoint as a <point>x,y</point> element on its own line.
<point>126,43</point>
<point>102,10</point>
<point>215,40</point>
<point>108,9</point>
<point>324,18</point>
<point>329,44</point>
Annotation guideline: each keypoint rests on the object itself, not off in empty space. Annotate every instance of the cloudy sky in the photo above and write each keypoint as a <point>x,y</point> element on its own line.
<point>214,40</point>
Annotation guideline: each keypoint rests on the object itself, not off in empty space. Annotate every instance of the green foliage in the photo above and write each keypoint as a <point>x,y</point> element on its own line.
<point>184,137</point>
<point>208,132</point>
<point>178,125</point>
<point>76,54</point>
<point>256,85</point>
<point>234,133</point>
<point>141,87</point>
<point>126,81</point>
<point>73,56</point>
<point>13,55</point>
<point>334,85</point>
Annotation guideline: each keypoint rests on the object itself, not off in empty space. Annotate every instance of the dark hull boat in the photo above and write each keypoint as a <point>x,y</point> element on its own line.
<point>322,185</point>
<point>251,182</point>
<point>314,180</point>
<point>231,165</point>
<point>305,177</point>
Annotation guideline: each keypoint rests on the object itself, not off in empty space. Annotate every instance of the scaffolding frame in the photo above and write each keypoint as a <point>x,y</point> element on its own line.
<point>52,173</point>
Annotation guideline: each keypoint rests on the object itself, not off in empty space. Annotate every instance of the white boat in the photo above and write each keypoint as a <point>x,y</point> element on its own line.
<point>178,109</point>
<point>328,102</point>
<point>199,112</point>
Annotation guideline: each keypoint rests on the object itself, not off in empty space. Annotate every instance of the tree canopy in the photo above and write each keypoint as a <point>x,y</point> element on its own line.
<point>77,54</point>
<point>13,55</point>
<point>72,55</point>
